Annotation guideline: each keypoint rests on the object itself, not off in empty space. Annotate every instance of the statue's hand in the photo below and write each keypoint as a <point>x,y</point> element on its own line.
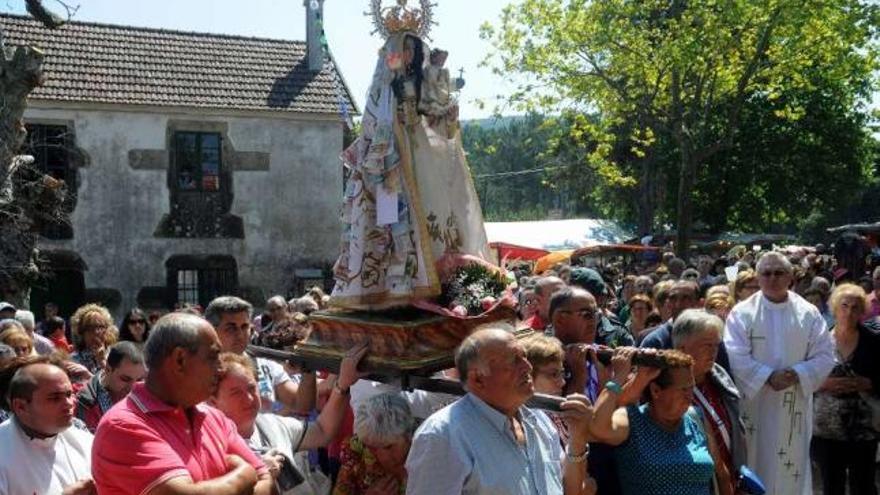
<point>452,113</point>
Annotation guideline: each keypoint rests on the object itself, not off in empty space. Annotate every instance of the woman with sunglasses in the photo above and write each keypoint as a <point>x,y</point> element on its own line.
<point>135,327</point>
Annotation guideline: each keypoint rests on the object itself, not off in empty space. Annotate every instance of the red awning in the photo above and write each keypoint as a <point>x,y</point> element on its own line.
<point>513,252</point>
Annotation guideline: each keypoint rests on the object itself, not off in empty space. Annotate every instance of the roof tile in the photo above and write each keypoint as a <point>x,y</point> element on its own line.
<point>103,63</point>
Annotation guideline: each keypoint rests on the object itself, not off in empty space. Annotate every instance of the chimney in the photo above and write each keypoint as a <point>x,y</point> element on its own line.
<point>314,34</point>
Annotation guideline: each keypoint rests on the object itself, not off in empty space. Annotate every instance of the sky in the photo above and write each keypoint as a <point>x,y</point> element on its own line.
<point>346,26</point>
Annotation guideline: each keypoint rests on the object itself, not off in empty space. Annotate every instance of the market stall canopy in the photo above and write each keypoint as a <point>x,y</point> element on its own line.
<point>613,250</point>
<point>555,235</point>
<point>862,228</point>
<point>505,251</point>
<point>551,260</point>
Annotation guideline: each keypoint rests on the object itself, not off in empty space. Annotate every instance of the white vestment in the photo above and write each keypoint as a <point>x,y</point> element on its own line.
<point>762,337</point>
<point>42,465</point>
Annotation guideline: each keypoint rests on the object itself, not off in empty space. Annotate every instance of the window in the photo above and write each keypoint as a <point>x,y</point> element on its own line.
<point>188,287</point>
<point>200,183</point>
<point>197,279</point>
<point>197,161</point>
<point>51,146</point>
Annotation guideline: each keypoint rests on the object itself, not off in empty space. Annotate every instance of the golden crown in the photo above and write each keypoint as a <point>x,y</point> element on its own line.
<point>400,18</point>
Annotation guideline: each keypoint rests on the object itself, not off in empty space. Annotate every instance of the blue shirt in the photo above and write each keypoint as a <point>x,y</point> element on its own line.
<point>654,461</point>
<point>468,448</point>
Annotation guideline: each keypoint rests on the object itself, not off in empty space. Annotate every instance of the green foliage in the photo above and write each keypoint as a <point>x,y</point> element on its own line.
<point>763,94</point>
<point>526,167</point>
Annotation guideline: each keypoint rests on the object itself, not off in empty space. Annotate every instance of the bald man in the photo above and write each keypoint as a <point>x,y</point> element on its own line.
<point>545,287</point>
<point>41,452</point>
<point>488,441</point>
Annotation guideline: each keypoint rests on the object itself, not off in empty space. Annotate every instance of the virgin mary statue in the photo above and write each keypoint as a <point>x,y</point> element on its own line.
<point>409,200</point>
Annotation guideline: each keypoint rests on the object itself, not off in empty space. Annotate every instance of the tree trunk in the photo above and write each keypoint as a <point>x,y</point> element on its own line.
<point>684,212</point>
<point>646,199</point>
<point>26,195</point>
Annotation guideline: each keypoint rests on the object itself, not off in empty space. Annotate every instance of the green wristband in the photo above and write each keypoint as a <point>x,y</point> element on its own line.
<point>613,387</point>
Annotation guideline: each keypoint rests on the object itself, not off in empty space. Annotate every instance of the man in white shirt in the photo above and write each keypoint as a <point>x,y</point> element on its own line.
<point>41,452</point>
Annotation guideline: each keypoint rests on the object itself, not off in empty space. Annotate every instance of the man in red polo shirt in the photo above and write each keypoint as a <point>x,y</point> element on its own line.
<point>162,439</point>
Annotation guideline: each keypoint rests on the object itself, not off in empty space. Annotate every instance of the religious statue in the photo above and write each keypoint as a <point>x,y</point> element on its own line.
<point>409,201</point>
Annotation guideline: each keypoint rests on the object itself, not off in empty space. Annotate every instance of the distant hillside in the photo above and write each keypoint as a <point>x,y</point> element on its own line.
<point>492,122</point>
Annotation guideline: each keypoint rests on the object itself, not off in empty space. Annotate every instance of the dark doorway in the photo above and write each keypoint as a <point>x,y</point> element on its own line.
<point>64,283</point>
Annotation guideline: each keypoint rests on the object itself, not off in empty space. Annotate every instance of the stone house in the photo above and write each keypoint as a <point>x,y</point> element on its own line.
<point>199,164</point>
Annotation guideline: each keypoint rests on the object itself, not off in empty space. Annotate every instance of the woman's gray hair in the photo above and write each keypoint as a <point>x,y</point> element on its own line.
<point>693,322</point>
<point>384,419</point>
<point>276,302</point>
<point>226,305</point>
<point>26,318</point>
<point>170,332</point>
<point>772,256</point>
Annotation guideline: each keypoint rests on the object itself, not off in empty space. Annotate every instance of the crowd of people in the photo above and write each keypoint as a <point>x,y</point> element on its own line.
<point>725,375</point>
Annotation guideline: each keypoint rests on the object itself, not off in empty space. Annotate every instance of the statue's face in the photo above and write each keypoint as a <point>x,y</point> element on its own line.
<point>439,58</point>
<point>409,50</point>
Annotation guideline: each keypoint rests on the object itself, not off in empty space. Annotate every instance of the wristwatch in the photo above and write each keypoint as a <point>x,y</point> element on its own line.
<point>577,459</point>
<point>343,391</point>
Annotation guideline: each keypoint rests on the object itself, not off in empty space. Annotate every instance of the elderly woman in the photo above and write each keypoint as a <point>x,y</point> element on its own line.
<point>547,358</point>
<point>745,284</point>
<point>373,458</point>
<point>16,338</point>
<point>844,441</point>
<point>698,333</point>
<point>91,325</point>
<point>283,440</point>
<point>640,307</point>
<point>719,305</point>
<point>661,446</point>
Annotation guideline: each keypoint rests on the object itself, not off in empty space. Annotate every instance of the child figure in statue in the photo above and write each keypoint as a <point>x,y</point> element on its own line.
<point>409,199</point>
<point>440,109</point>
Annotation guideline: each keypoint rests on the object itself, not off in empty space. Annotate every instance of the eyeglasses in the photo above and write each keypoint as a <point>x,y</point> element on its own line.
<point>776,273</point>
<point>137,322</point>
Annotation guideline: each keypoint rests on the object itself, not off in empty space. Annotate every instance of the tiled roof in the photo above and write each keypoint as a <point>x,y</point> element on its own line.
<point>102,63</point>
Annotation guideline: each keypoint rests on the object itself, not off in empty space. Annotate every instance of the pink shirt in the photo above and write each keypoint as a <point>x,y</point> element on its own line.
<point>142,442</point>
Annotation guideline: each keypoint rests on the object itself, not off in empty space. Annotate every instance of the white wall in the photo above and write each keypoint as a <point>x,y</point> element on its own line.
<point>290,212</point>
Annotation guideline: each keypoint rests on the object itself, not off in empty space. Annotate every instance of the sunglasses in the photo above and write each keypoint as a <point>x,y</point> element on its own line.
<point>137,322</point>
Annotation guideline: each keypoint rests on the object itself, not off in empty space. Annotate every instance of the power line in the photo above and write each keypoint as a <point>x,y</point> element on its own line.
<point>518,172</point>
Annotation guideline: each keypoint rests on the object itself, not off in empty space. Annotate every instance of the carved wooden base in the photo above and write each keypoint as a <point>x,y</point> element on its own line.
<point>402,342</point>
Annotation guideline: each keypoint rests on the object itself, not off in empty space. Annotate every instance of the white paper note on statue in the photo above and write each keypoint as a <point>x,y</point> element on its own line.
<point>386,207</point>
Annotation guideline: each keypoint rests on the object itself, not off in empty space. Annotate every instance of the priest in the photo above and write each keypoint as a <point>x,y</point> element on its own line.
<point>780,353</point>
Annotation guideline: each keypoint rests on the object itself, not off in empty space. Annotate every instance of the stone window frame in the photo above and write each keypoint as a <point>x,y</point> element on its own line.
<point>76,158</point>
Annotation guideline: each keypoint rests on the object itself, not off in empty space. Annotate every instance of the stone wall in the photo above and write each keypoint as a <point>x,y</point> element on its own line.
<point>287,187</point>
